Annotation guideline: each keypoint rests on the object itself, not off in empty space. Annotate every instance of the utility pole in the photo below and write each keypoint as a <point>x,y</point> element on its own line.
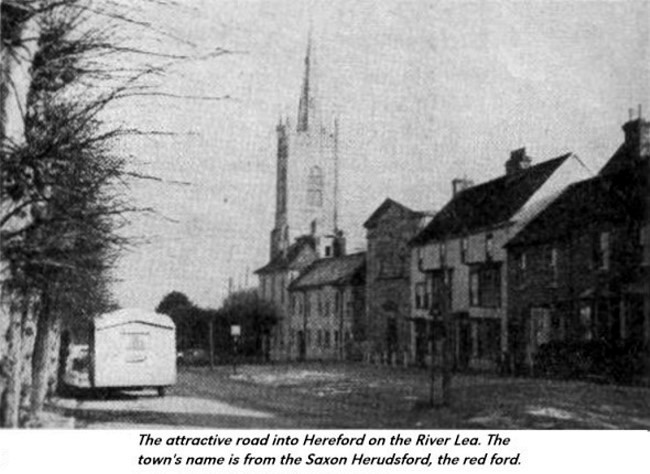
<point>211,337</point>
<point>446,338</point>
<point>339,310</point>
<point>447,347</point>
<point>432,372</point>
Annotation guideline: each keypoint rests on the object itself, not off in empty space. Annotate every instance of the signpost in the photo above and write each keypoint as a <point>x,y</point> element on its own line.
<point>235,333</point>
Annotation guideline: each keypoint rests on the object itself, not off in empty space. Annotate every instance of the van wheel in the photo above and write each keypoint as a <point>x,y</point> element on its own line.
<point>161,391</point>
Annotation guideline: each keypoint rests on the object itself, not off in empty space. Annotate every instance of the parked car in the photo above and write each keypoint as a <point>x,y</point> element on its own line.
<point>195,356</point>
<point>77,366</point>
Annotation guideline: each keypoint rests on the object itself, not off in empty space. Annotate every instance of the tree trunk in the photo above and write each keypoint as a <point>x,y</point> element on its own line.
<point>46,332</point>
<point>63,353</point>
<point>13,368</point>
<point>55,361</point>
<point>15,81</point>
<point>11,398</point>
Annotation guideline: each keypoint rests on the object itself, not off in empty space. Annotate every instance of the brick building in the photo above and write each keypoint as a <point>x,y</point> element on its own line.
<point>576,271</point>
<point>327,309</point>
<point>389,332</point>
<point>459,263</point>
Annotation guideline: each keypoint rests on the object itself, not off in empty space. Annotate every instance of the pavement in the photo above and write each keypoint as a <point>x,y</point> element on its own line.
<point>124,411</point>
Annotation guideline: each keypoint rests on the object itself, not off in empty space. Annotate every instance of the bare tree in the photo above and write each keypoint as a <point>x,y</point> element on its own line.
<point>19,28</point>
<point>62,181</point>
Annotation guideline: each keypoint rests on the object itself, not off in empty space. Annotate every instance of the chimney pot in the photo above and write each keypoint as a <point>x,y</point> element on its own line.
<point>460,184</point>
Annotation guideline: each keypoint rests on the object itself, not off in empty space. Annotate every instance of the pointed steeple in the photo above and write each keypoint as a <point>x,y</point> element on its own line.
<point>306,104</point>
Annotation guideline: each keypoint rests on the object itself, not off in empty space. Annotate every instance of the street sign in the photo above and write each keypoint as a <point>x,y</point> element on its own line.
<point>235,330</point>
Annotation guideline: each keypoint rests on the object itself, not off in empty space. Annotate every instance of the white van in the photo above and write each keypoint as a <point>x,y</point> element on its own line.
<point>129,349</point>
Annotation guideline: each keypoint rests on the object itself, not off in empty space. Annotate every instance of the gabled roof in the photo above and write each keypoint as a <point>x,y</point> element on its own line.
<point>289,259</point>
<point>385,206</point>
<point>488,204</point>
<point>613,198</point>
<point>331,271</point>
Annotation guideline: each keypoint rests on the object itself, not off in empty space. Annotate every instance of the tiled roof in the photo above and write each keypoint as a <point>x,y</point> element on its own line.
<point>488,204</point>
<point>387,204</point>
<point>613,198</point>
<point>330,271</point>
<point>287,259</point>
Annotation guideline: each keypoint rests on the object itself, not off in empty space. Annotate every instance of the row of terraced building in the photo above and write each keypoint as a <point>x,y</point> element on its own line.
<point>548,255</point>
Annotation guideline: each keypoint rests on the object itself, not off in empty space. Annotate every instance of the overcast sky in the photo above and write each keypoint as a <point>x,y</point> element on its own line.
<point>425,91</point>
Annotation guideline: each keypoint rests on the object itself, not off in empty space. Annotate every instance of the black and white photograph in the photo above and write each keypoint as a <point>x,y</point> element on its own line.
<point>325,215</point>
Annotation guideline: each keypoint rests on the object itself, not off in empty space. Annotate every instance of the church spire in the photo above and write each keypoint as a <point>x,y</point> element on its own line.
<point>306,104</point>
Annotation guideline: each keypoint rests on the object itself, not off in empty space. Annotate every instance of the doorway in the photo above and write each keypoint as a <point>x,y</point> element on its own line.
<point>302,346</point>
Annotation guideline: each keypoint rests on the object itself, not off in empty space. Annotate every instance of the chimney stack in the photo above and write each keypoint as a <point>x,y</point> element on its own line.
<point>637,134</point>
<point>460,184</point>
<point>339,244</point>
<point>518,161</point>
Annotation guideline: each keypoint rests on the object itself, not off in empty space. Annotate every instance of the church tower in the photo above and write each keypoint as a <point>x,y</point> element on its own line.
<point>307,173</point>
